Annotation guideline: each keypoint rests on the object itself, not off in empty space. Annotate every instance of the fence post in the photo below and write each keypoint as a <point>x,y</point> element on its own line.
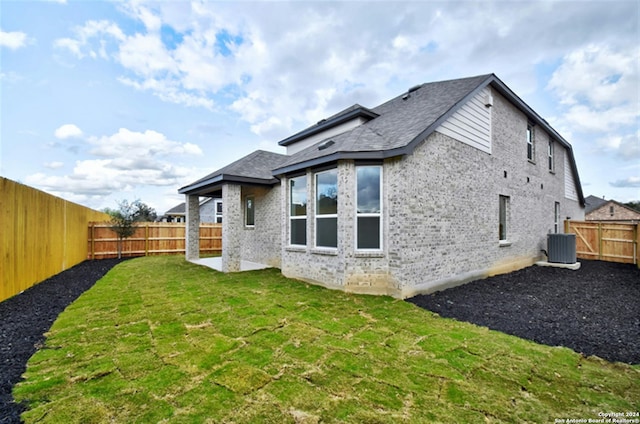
<point>600,241</point>
<point>93,240</point>
<point>637,245</point>
<point>146,239</point>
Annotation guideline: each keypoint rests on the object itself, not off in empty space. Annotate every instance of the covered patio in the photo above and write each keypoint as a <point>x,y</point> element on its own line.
<point>250,240</point>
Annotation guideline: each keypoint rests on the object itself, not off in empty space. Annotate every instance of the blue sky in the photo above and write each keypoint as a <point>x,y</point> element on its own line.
<point>106,101</point>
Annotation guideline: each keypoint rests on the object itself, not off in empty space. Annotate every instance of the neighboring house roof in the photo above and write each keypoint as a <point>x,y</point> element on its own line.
<point>255,168</point>
<point>592,203</point>
<point>177,210</point>
<point>394,128</point>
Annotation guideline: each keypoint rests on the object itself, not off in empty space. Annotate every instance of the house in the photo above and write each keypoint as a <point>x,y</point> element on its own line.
<point>210,212</point>
<point>448,182</point>
<point>599,209</point>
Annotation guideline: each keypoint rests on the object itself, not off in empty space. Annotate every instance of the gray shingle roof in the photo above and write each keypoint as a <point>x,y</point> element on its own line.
<point>400,121</point>
<point>393,128</point>
<point>592,203</point>
<point>255,168</point>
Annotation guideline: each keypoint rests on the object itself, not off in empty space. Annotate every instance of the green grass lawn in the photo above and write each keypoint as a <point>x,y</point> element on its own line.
<point>162,340</point>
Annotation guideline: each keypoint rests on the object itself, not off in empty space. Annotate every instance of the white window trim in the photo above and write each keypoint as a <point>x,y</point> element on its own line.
<point>317,215</point>
<point>246,215</point>
<point>551,156</point>
<point>507,206</point>
<point>531,140</point>
<point>296,217</point>
<point>556,217</point>
<point>369,215</point>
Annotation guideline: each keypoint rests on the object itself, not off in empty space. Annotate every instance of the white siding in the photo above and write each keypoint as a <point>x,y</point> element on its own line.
<point>471,124</point>
<point>331,132</point>
<point>570,191</point>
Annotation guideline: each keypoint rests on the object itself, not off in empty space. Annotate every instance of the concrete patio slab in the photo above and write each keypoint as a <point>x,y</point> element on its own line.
<point>216,263</point>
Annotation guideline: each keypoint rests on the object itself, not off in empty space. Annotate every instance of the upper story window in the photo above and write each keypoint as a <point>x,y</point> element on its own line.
<point>369,207</point>
<point>327,209</point>
<point>298,210</point>
<point>530,143</point>
<point>250,211</point>
<point>611,211</point>
<point>550,154</point>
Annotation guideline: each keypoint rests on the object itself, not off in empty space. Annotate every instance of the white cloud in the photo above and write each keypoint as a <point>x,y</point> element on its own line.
<point>68,131</point>
<point>126,160</point>
<point>598,75</point>
<point>131,144</point>
<point>626,182</point>
<point>13,40</point>
<point>54,165</point>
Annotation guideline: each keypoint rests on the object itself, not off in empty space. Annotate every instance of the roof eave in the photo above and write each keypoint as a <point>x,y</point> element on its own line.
<point>218,180</point>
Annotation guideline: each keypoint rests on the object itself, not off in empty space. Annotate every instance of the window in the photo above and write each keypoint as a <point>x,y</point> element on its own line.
<point>550,153</point>
<point>611,210</point>
<point>250,211</point>
<point>530,140</point>
<point>298,210</point>
<point>218,212</point>
<point>327,209</point>
<point>368,211</point>
<point>556,218</point>
<point>503,219</point>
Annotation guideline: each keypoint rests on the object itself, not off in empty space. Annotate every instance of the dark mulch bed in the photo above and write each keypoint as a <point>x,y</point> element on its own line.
<point>595,310</point>
<point>25,317</point>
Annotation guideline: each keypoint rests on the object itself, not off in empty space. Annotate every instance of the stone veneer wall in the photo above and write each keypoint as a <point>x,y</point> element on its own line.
<point>440,214</point>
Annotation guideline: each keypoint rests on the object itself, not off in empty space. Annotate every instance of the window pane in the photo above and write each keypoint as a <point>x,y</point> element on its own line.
<point>368,181</point>
<point>503,218</point>
<point>369,232</point>
<point>327,192</point>
<point>327,232</point>
<point>299,231</point>
<point>298,196</point>
<point>250,211</point>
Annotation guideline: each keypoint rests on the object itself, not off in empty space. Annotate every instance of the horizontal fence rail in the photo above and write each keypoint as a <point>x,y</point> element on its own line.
<point>606,241</point>
<point>150,239</point>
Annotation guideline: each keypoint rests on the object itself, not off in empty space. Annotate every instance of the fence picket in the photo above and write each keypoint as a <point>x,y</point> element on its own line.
<point>607,241</point>
<point>152,238</point>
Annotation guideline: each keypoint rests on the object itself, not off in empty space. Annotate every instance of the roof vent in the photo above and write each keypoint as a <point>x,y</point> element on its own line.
<point>326,144</point>
<point>411,90</point>
<point>322,121</point>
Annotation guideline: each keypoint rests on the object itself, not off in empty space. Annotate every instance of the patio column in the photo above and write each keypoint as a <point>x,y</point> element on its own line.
<point>231,227</point>
<point>192,248</point>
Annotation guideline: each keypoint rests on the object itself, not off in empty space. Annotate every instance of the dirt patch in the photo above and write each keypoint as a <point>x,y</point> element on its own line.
<point>595,310</point>
<point>25,318</point>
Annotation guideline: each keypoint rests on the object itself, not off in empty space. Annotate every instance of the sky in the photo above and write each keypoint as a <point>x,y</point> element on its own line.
<point>104,101</point>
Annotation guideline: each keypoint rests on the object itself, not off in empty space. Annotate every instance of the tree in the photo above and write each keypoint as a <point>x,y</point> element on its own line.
<point>634,205</point>
<point>143,212</point>
<point>124,219</point>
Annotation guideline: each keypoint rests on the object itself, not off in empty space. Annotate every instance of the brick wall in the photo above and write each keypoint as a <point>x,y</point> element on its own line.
<point>441,214</point>
<point>611,211</point>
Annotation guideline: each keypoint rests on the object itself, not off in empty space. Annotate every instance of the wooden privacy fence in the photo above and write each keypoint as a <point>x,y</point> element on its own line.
<point>41,236</point>
<point>606,241</point>
<point>150,238</point>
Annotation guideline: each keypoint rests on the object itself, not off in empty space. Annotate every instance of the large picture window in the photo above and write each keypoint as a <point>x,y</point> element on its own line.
<point>327,209</point>
<point>369,207</point>
<point>298,210</point>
